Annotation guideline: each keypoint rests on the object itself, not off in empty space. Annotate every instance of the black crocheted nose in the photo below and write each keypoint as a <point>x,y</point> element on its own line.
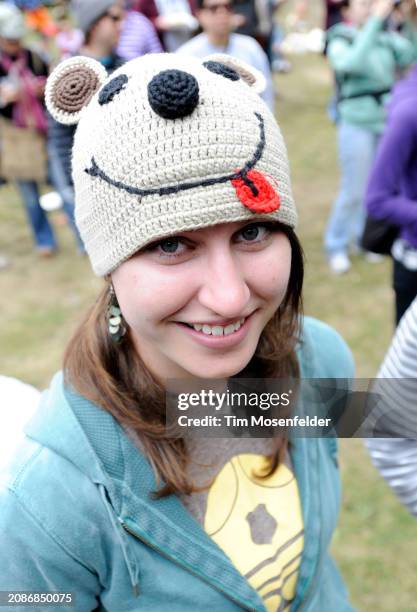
<point>173,94</point>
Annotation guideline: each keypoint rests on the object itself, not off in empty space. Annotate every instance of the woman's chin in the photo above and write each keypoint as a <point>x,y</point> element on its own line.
<point>219,370</point>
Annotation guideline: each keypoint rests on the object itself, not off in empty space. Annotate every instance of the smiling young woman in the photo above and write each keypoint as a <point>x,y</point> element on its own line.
<point>183,200</point>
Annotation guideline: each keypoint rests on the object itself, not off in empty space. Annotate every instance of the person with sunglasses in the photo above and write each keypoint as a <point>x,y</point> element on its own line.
<point>100,22</point>
<point>218,19</point>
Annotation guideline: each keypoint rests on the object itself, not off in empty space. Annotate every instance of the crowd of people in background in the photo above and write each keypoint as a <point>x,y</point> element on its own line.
<point>365,58</point>
<point>371,49</point>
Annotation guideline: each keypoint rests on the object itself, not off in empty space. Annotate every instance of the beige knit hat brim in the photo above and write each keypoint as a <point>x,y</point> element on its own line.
<point>124,234</point>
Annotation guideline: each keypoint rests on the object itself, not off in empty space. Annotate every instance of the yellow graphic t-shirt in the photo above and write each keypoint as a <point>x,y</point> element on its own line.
<point>257,522</point>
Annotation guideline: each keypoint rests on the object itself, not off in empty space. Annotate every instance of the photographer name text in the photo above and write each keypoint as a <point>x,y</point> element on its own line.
<point>230,420</point>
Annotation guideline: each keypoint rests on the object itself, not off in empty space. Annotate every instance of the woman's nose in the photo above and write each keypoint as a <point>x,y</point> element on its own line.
<point>173,94</point>
<point>224,289</point>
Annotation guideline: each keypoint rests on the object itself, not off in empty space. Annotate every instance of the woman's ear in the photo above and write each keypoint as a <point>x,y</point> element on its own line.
<point>71,86</point>
<point>251,76</point>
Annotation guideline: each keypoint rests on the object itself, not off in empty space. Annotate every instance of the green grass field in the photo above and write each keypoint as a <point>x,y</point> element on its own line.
<point>41,301</point>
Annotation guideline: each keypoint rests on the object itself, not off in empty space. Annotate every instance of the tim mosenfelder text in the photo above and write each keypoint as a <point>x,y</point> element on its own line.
<point>231,420</point>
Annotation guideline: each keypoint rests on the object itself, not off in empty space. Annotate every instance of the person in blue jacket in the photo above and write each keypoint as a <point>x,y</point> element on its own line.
<point>365,59</point>
<point>184,203</point>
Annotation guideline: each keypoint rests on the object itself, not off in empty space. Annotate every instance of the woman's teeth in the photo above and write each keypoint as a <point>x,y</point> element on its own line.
<point>218,330</point>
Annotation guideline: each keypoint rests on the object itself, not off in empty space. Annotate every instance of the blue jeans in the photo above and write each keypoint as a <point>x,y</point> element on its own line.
<point>357,148</point>
<point>38,219</point>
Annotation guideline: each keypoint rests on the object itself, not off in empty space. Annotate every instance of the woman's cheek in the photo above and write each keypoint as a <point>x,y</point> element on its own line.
<point>148,294</point>
<point>276,286</point>
<point>271,273</point>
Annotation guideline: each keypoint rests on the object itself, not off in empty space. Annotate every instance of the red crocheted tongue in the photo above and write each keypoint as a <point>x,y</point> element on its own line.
<point>267,199</point>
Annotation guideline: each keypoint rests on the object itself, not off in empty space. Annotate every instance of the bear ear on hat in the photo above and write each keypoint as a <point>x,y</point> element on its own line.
<point>70,87</point>
<point>251,76</point>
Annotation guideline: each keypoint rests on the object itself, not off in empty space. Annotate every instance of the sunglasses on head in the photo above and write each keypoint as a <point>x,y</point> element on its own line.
<point>216,7</point>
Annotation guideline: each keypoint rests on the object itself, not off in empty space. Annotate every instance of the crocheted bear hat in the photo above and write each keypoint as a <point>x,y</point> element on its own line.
<point>168,144</point>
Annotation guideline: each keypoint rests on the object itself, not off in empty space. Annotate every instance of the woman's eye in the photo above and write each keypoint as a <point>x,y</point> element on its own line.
<point>254,233</point>
<point>168,248</point>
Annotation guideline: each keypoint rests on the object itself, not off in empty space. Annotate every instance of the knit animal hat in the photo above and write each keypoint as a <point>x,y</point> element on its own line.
<point>168,144</point>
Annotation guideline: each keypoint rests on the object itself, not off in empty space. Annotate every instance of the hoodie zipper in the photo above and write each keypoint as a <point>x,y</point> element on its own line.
<point>307,594</point>
<point>158,550</point>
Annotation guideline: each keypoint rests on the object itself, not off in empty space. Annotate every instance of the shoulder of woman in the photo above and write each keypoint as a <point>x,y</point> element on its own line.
<point>322,351</point>
<point>54,474</point>
<point>342,33</point>
<point>43,492</point>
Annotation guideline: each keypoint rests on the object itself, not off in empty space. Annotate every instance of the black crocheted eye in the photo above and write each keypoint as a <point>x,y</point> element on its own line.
<point>226,71</point>
<point>112,88</point>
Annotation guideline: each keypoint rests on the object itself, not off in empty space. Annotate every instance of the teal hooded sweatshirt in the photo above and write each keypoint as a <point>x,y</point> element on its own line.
<point>76,515</point>
<point>365,61</point>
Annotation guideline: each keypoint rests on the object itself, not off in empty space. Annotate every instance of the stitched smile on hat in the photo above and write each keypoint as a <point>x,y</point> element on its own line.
<point>252,187</point>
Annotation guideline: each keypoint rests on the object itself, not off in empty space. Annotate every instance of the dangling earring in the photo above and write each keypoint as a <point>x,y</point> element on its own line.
<point>115,322</point>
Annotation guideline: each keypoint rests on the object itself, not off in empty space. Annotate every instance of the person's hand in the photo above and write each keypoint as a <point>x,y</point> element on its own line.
<point>383,8</point>
<point>8,94</point>
<point>238,21</point>
<point>161,23</point>
<point>397,18</point>
<point>39,88</point>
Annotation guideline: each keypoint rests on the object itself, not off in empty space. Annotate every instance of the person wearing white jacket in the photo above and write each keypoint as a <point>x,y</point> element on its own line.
<point>18,401</point>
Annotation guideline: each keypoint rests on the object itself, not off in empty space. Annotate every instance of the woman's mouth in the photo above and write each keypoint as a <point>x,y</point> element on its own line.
<point>218,336</point>
<point>217,330</point>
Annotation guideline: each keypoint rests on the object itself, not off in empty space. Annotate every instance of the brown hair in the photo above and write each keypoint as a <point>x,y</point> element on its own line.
<point>115,378</point>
